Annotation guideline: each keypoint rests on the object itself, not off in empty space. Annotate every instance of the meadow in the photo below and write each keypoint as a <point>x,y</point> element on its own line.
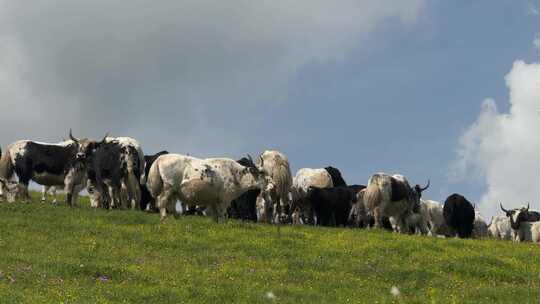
<point>57,254</point>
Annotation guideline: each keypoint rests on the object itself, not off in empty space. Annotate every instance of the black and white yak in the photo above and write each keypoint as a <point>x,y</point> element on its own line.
<point>525,224</point>
<point>393,197</point>
<point>49,164</point>
<point>115,172</point>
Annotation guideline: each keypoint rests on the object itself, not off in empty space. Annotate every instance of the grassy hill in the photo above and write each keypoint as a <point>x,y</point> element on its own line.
<point>56,254</point>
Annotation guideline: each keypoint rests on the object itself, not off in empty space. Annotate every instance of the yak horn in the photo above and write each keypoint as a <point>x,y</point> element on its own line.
<point>71,137</point>
<point>104,138</point>
<point>425,188</point>
<point>502,208</point>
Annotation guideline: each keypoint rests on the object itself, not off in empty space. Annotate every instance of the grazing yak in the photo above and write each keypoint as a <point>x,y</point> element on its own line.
<point>304,179</point>
<point>48,164</point>
<point>391,196</point>
<point>115,172</point>
<point>275,166</point>
<point>213,183</point>
<point>332,206</point>
<point>523,223</point>
<point>360,217</point>
<point>418,221</point>
<point>459,215</point>
<point>500,228</point>
<point>245,206</point>
<point>435,218</point>
<point>147,201</point>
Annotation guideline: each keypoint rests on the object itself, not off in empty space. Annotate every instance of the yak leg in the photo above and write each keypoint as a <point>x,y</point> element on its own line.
<point>171,207</point>
<point>115,194</point>
<point>424,227</point>
<point>214,211</point>
<point>134,191</point>
<point>377,216</point>
<point>53,190</point>
<point>162,201</point>
<point>69,189</point>
<point>75,195</point>
<point>402,226</point>
<point>222,212</point>
<point>71,181</point>
<point>44,191</point>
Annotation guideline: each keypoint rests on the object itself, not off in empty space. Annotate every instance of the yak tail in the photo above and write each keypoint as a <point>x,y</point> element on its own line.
<point>133,181</point>
<point>6,166</point>
<point>372,196</point>
<point>154,182</point>
<point>283,179</point>
<point>142,167</point>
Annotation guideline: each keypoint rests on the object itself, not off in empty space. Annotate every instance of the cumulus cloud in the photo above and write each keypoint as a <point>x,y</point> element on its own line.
<point>190,70</point>
<point>503,149</point>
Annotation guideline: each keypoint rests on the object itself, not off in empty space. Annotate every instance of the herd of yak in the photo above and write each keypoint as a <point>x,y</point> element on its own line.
<point>117,174</point>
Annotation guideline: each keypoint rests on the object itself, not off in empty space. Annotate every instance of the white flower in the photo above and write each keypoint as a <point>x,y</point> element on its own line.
<point>394,291</point>
<point>270,295</point>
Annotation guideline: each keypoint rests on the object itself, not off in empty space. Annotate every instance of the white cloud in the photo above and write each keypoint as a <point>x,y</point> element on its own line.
<point>503,149</point>
<point>181,69</point>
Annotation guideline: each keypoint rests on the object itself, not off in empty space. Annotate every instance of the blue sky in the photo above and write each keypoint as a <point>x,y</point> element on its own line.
<point>401,103</point>
<point>365,86</point>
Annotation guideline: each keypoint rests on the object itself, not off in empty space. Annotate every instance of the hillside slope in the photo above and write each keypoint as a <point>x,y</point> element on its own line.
<point>56,254</point>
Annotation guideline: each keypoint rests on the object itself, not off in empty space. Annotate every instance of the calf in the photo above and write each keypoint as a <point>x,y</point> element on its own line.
<point>435,218</point>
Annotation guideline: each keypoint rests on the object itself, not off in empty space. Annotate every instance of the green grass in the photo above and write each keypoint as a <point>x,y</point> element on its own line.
<point>57,254</point>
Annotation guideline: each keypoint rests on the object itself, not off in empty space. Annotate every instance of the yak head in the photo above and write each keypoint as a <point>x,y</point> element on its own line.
<point>416,195</point>
<point>86,147</point>
<point>251,175</point>
<point>516,216</point>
